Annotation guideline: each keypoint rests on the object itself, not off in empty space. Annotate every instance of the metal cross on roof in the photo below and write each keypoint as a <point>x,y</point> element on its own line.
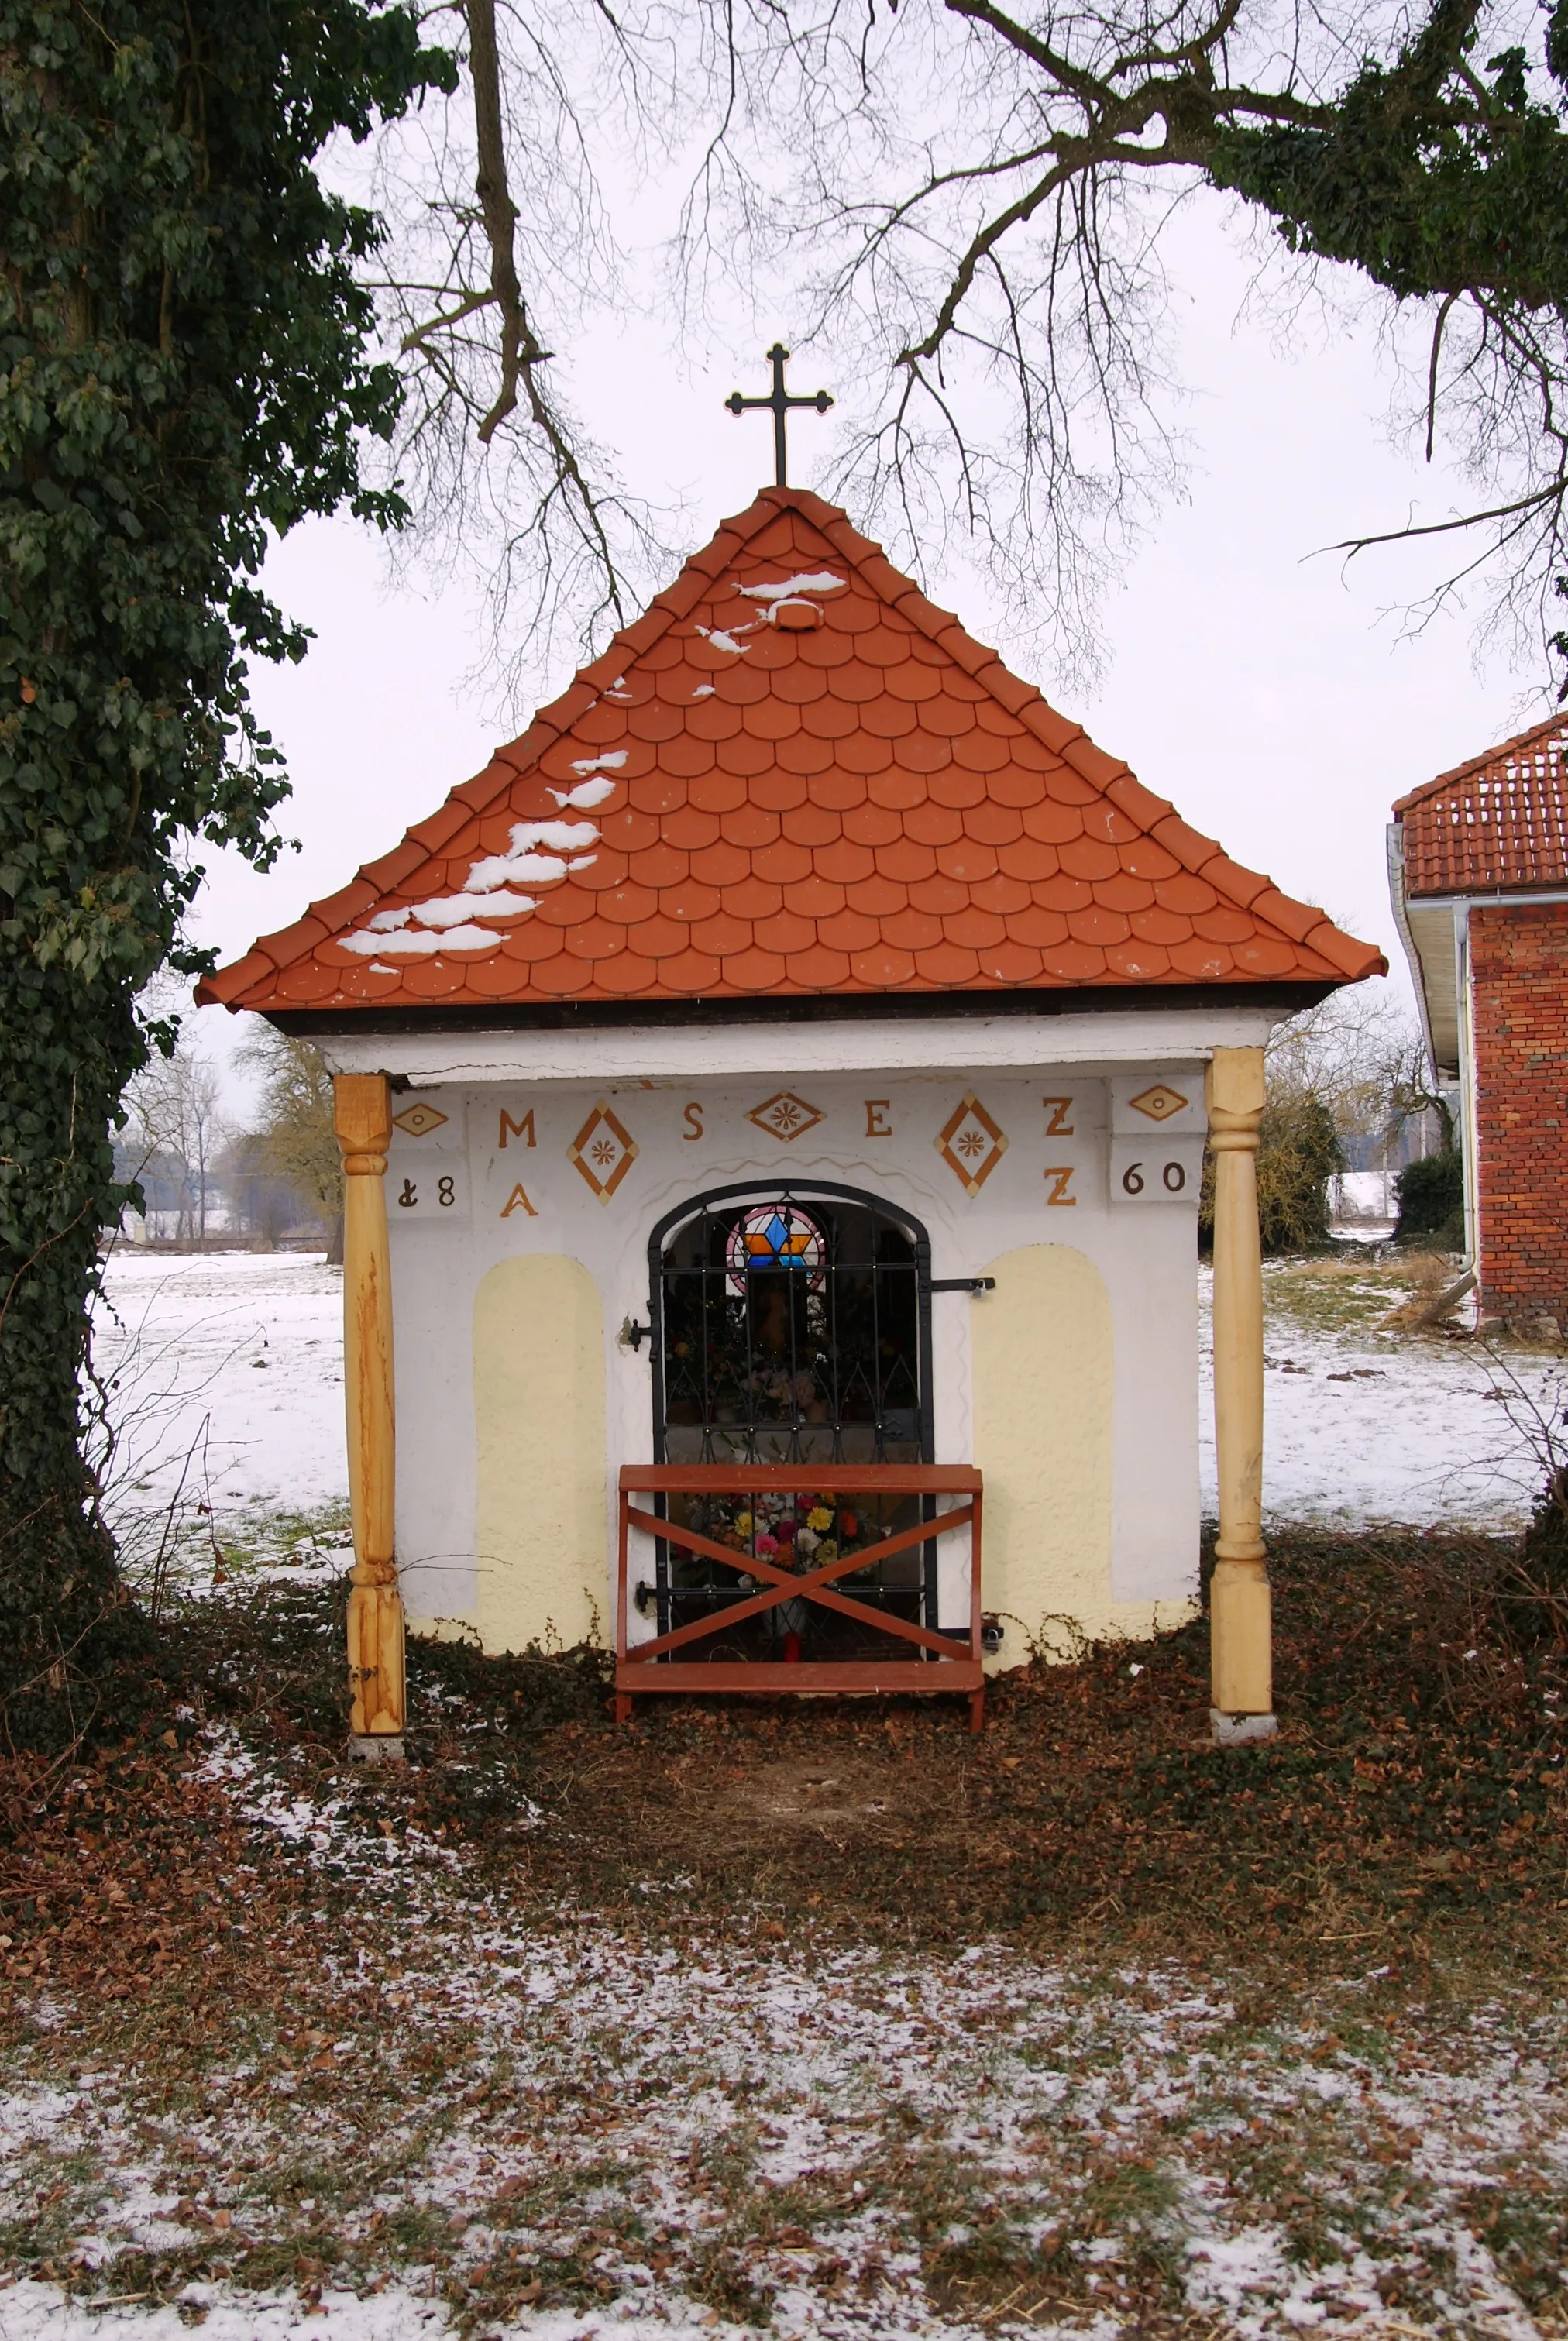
<point>780,400</point>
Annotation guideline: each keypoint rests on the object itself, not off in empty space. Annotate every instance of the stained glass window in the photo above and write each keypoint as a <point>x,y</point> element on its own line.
<point>775,1236</point>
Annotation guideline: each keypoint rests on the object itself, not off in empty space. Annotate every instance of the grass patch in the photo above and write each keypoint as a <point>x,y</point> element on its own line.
<point>262,1538</point>
<point>1343,1294</point>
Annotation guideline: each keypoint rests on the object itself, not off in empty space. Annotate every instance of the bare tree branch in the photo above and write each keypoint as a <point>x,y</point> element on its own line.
<point>971,200</point>
<point>499,251</point>
<point>518,347</point>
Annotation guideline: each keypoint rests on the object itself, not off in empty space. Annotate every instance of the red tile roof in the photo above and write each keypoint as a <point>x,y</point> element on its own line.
<point>793,775</point>
<point>1500,822</point>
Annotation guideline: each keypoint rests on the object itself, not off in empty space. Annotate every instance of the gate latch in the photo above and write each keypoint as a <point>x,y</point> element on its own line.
<point>964,1284</point>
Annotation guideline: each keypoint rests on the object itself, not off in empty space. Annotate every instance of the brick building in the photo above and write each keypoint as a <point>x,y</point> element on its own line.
<point>1478,871</point>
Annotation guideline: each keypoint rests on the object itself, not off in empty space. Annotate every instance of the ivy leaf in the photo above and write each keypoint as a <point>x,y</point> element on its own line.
<point>185,358</point>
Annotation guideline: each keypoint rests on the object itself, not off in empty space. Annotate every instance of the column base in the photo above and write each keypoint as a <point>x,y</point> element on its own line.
<point>376,1747</point>
<point>1241,1730</point>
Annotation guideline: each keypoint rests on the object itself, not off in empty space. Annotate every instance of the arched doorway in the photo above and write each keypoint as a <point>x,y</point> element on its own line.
<point>792,1325</point>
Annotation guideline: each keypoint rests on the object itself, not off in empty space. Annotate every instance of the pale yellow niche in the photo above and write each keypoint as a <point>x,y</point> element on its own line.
<point>539,1411</point>
<point>1044,1370</point>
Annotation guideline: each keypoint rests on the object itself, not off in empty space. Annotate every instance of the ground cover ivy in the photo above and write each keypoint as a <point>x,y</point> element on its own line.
<point>185,365</point>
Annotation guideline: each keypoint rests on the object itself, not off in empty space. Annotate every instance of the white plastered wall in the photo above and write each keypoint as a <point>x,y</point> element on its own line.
<point>510,1271</point>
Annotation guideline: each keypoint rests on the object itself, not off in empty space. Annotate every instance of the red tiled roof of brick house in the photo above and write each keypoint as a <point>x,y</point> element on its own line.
<point>1478,870</point>
<point>1499,822</point>
<point>793,775</point>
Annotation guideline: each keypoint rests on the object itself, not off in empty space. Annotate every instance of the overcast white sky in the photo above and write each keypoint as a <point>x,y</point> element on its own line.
<point>1265,691</point>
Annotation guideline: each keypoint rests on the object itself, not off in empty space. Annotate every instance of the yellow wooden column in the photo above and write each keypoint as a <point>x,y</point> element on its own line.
<point>1240,1624</point>
<point>362,1113</point>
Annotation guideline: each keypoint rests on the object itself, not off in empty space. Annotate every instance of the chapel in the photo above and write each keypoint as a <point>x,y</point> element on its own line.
<point>774,1097</point>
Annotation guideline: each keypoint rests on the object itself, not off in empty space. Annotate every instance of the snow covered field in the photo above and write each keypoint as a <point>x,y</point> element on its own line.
<point>1363,1426</point>
<point>228,1368</point>
<point>224,1380</point>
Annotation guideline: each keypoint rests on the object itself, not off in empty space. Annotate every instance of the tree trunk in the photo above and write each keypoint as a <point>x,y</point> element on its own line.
<point>61,1618</point>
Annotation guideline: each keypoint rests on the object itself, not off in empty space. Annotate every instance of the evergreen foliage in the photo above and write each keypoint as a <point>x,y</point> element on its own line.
<point>1430,1195</point>
<point>1443,175</point>
<point>1298,1154</point>
<point>1532,1595</point>
<point>1429,174</point>
<point>184,367</point>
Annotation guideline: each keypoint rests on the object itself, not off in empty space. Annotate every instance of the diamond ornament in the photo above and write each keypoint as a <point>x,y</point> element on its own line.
<point>785,1116</point>
<point>1160,1103</point>
<point>419,1121</point>
<point>602,1152</point>
<point>971,1144</point>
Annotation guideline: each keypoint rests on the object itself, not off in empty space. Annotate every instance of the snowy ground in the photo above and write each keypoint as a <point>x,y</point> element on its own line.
<point>1361,1425</point>
<point>1364,1425</point>
<point>224,1380</point>
<point>747,2134</point>
<point>448,2114</point>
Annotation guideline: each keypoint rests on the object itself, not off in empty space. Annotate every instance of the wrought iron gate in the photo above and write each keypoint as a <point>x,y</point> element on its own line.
<point>791,1325</point>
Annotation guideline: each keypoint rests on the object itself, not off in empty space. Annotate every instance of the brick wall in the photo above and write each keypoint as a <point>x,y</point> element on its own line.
<point>1519,961</point>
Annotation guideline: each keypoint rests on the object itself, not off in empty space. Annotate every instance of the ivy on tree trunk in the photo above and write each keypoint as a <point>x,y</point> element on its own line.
<point>185,365</point>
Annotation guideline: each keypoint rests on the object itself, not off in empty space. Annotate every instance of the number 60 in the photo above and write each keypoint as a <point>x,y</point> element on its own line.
<point>1172,1178</point>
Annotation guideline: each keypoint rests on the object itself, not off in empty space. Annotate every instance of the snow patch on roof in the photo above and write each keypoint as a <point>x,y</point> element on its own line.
<point>789,589</point>
<point>415,942</point>
<point>586,795</point>
<point>451,911</point>
<point>448,923</point>
<point>533,869</point>
<point>561,838</point>
<point>722,641</point>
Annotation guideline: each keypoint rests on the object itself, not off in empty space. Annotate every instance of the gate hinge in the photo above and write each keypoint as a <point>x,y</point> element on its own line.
<point>964,1284</point>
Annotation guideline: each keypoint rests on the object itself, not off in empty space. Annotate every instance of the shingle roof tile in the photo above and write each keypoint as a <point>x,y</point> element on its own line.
<point>792,773</point>
<point>1498,823</point>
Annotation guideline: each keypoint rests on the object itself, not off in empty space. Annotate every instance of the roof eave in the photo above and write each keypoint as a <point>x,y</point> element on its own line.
<point>1289,995</point>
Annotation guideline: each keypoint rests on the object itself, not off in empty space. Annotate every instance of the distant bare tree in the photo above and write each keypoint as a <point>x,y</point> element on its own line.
<point>293,1137</point>
<point>1361,1052</point>
<point>177,1130</point>
<point>1352,1067</point>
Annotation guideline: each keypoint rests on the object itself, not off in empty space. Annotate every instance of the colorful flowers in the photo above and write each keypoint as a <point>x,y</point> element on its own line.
<point>788,1531</point>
